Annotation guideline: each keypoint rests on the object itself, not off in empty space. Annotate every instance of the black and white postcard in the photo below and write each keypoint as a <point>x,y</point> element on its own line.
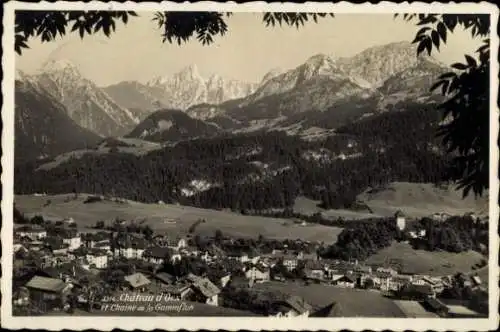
<point>250,166</point>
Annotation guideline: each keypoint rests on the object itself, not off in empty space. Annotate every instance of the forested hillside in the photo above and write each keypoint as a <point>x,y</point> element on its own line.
<point>260,170</point>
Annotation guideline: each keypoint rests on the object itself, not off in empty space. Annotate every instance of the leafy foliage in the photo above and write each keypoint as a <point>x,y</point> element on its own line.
<point>361,239</point>
<point>465,129</point>
<point>456,234</point>
<point>177,27</point>
<point>47,25</point>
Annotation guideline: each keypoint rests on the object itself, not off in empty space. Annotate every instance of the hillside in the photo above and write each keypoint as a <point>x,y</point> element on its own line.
<point>256,171</point>
<point>237,225</point>
<point>426,262</point>
<point>171,125</point>
<point>42,125</point>
<point>420,200</point>
<point>136,147</point>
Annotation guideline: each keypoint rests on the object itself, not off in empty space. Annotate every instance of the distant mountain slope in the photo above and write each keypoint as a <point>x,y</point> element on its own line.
<point>320,74</point>
<point>136,97</point>
<point>42,125</point>
<point>86,104</point>
<point>376,64</point>
<point>310,91</point>
<point>171,125</point>
<point>412,84</point>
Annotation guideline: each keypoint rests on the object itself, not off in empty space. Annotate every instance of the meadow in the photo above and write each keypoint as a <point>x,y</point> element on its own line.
<point>437,263</point>
<point>171,219</point>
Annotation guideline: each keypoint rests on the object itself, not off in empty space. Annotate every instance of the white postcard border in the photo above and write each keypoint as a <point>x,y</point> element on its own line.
<point>214,323</point>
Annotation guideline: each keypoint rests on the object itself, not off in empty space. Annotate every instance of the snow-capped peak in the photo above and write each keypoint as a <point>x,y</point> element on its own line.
<point>55,65</point>
<point>319,64</point>
<point>319,60</point>
<point>87,104</point>
<point>20,75</point>
<point>190,71</point>
<point>188,87</point>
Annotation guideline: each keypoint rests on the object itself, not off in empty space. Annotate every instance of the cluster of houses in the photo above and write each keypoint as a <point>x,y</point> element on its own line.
<point>68,256</point>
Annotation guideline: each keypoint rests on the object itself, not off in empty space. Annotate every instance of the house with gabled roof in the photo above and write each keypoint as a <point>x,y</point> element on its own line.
<point>346,281</point>
<point>294,306</point>
<point>97,258</point>
<point>416,292</point>
<point>130,247</point>
<point>257,273</point>
<point>158,255</point>
<point>204,291</point>
<point>314,269</point>
<point>94,239</point>
<point>176,243</point>
<point>137,281</point>
<point>177,291</point>
<point>72,238</point>
<point>238,255</point>
<point>45,288</point>
<point>397,282</point>
<point>165,278</point>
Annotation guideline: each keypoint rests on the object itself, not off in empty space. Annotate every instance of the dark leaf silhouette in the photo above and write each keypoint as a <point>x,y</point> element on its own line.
<point>441,29</point>
<point>435,38</point>
<point>471,61</point>
<point>176,27</point>
<point>466,131</point>
<point>459,66</point>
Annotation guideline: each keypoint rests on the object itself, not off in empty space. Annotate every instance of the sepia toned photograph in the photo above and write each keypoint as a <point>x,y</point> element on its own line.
<point>270,166</point>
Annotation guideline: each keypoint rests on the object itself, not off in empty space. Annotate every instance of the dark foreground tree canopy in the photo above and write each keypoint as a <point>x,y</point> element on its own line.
<point>468,89</point>
<point>466,111</point>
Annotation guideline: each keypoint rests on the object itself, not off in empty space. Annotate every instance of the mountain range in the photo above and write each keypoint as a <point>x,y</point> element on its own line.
<point>325,92</point>
<point>87,104</point>
<point>326,131</point>
<point>42,124</point>
<point>329,91</point>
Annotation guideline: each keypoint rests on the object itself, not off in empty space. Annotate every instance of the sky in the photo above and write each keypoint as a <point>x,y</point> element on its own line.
<point>247,52</point>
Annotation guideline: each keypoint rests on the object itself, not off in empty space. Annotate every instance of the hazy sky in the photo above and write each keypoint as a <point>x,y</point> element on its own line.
<point>247,52</point>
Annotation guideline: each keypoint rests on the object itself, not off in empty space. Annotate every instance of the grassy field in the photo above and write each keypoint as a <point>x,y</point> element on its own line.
<point>426,262</point>
<point>420,200</point>
<point>86,215</point>
<point>136,146</point>
<point>354,302</point>
<point>414,199</point>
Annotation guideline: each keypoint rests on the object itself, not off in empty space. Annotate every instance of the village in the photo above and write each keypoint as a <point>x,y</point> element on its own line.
<point>61,269</point>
